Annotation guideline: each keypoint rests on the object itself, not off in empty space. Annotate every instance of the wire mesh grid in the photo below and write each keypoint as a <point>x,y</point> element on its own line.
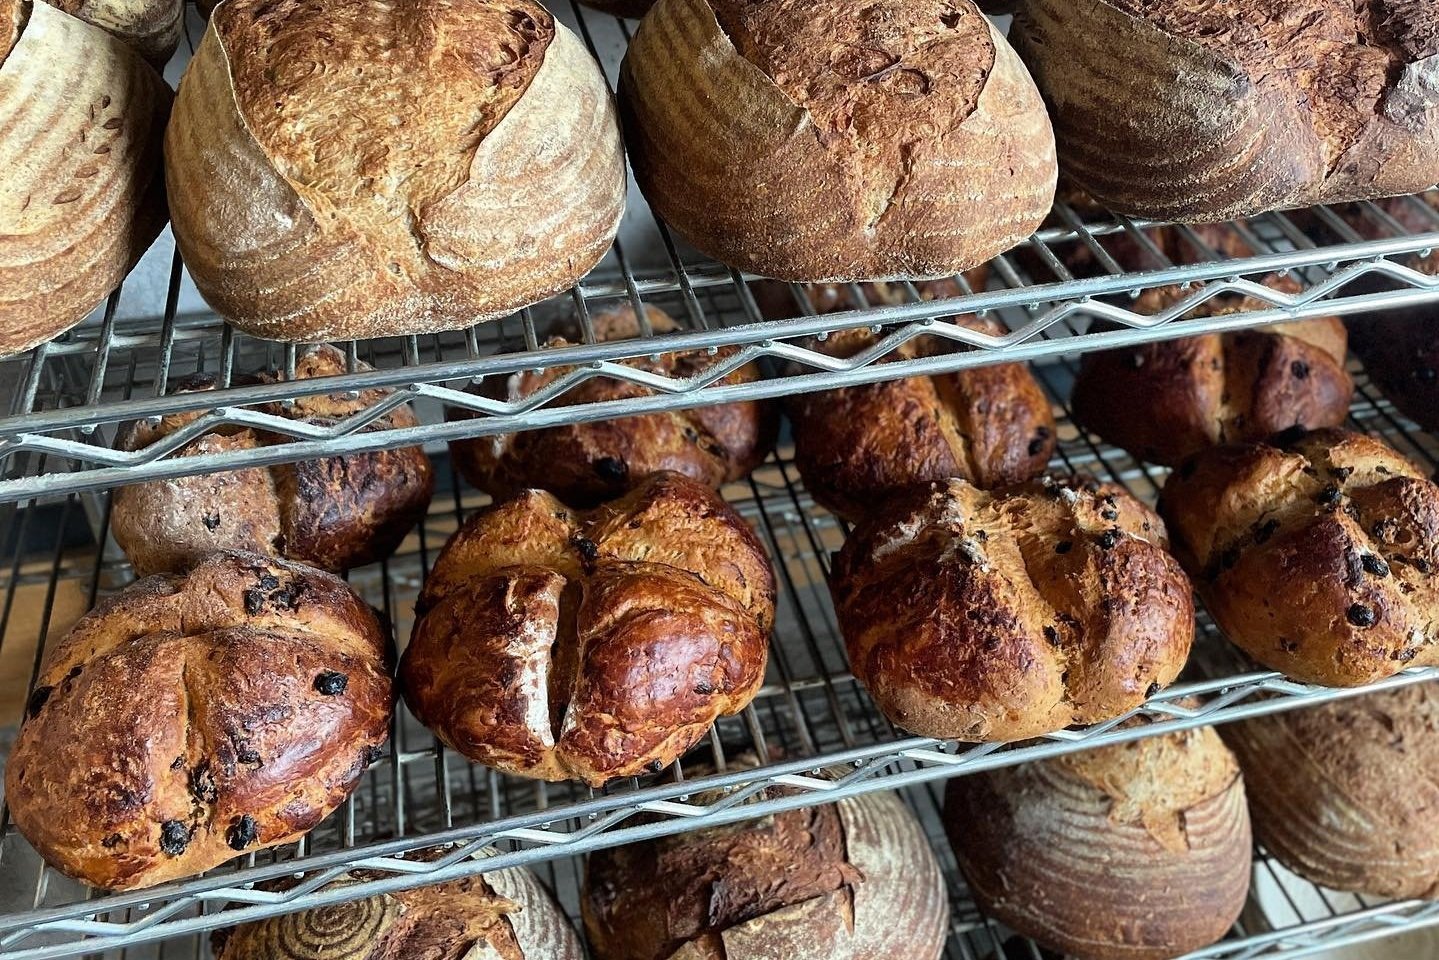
<point>1084,266</point>
<point>811,714</point>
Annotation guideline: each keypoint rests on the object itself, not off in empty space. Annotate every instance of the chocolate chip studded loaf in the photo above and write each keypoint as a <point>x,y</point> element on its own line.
<point>978,615</point>
<point>591,645</point>
<point>190,719</point>
<point>1316,553</point>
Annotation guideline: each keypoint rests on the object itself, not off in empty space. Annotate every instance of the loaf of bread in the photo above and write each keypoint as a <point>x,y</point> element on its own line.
<point>1228,109</point>
<point>591,645</point>
<point>898,138</point>
<point>586,463</point>
<point>366,170</point>
<point>333,512</point>
<point>1346,793</point>
<point>153,27</point>
<point>501,915</point>
<point>855,880</point>
<point>857,447</point>
<point>81,192</point>
<point>193,718</point>
<point>1166,400</point>
<point>981,616</point>
<point>1316,553</point>
<point>1139,851</point>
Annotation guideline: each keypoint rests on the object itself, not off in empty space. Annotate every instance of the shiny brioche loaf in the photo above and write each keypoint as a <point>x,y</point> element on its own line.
<point>1316,553</point>
<point>81,190</point>
<point>586,463</point>
<point>1228,109</point>
<point>1346,793</point>
<point>1140,851</point>
<point>849,145</point>
<point>190,719</point>
<point>366,170</point>
<point>982,616</point>
<point>331,512</point>
<point>854,880</point>
<point>563,644</point>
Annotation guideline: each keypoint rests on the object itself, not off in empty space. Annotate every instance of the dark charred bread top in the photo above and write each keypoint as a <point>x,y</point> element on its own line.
<point>850,881</point>
<point>996,616</point>
<point>591,645</point>
<point>584,464</point>
<point>1316,553</point>
<point>189,719</point>
<point>332,512</point>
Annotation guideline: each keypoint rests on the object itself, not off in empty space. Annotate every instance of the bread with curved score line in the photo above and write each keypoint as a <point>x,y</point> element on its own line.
<point>153,27</point>
<point>1317,554</point>
<point>875,140</point>
<point>854,880</point>
<point>81,190</point>
<point>1229,109</point>
<point>191,719</point>
<point>373,169</point>
<point>1140,851</point>
<point>983,616</point>
<point>591,645</point>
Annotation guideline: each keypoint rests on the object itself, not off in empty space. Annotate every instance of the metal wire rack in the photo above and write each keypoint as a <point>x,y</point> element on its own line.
<point>811,711</point>
<point>63,399</point>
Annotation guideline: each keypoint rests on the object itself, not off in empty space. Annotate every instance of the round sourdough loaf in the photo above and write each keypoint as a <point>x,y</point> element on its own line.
<point>81,190</point>
<point>855,880</point>
<point>856,448</point>
<point>591,645</point>
<point>331,512</point>
<point>897,138</point>
<point>502,915</point>
<point>188,720</point>
<point>586,463</point>
<point>153,27</point>
<point>1317,554</point>
<point>980,616</point>
<point>373,169</point>
<point>1346,793</point>
<point>1140,851</point>
<point>1224,110</point>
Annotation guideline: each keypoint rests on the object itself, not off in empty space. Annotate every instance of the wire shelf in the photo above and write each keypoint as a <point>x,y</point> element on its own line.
<point>64,399</point>
<point>811,710</point>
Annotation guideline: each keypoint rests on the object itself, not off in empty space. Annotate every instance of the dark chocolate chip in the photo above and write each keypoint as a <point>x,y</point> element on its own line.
<point>1152,690</point>
<point>657,765</point>
<point>1384,529</point>
<point>37,700</point>
<point>1265,531</point>
<point>243,831</point>
<point>1110,515</point>
<point>1064,546</point>
<point>1404,656</point>
<point>1051,634</point>
<point>704,689</point>
<point>1300,369</point>
<point>611,469</point>
<point>331,684</point>
<point>254,602</point>
<point>244,754</point>
<point>269,582</point>
<point>112,841</point>
<point>174,837</point>
<point>211,521</point>
<point>1091,486</point>
<point>1420,564</point>
<point>1329,496</point>
<point>178,762</point>
<point>202,783</point>
<point>1109,538</point>
<point>1373,563</point>
<point>1341,473</point>
<point>589,550</point>
<point>1361,615</point>
<point>370,755</point>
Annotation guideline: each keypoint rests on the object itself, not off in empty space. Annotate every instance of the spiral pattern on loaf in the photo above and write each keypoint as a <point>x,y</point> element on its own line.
<point>341,931</point>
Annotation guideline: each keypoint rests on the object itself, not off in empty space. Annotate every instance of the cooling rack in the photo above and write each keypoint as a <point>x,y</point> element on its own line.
<point>811,717</point>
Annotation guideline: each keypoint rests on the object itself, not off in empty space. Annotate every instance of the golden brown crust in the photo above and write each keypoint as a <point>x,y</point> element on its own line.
<point>851,881</point>
<point>334,512</point>
<point>503,915</point>
<point>82,196</point>
<point>584,464</point>
<point>839,147</point>
<point>1316,554</point>
<point>1135,852</point>
<point>188,719</point>
<point>591,645</point>
<point>997,616</point>
<point>1346,793</point>
<point>857,447</point>
<point>475,169</point>
<point>1258,105</point>
<point>152,27</point>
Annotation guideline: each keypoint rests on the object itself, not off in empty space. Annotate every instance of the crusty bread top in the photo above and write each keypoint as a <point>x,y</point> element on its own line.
<point>374,111</point>
<point>1340,53</point>
<point>875,76</point>
<point>12,19</point>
